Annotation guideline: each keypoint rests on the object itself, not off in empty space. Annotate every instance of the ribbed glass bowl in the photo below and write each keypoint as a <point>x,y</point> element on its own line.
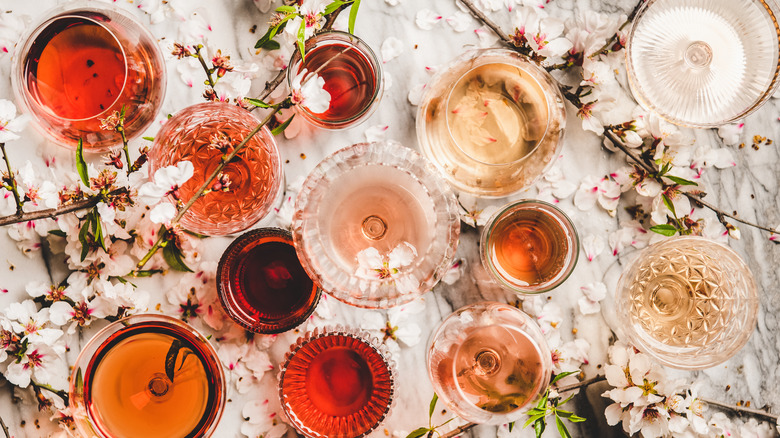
<point>337,382</point>
<point>704,63</point>
<point>687,301</point>
<point>362,206</point>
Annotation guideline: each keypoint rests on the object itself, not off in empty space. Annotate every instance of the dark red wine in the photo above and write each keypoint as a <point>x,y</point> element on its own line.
<point>349,78</point>
<point>262,284</point>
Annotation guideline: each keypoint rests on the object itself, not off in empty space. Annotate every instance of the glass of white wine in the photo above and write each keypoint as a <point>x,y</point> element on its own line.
<point>704,63</point>
<point>688,301</point>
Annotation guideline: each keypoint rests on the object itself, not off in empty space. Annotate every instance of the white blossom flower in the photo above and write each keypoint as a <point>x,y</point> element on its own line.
<point>631,233</point>
<point>32,323</point>
<point>42,362</point>
<point>167,181</point>
<point>312,11</point>
<point>261,420</point>
<point>543,33</point>
<point>568,357</point>
<point>376,133</point>
<point>706,156</point>
<point>453,274</point>
<point>592,294</point>
<point>373,266</point>
<point>10,124</point>
<point>550,317</point>
<point>486,37</point>
<point>308,91</point>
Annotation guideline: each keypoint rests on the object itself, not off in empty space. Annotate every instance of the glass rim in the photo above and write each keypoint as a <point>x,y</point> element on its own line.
<point>520,63</point>
<point>50,18</point>
<point>331,37</point>
<point>530,328</point>
<point>359,335</point>
<point>224,287</point>
<point>651,346</point>
<point>561,219</point>
<point>639,95</point>
<point>334,278</point>
<point>100,338</point>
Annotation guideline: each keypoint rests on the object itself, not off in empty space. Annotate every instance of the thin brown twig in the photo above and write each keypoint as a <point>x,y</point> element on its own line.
<point>54,212</point>
<point>615,139</point>
<point>5,428</point>
<point>607,47</point>
<point>458,431</point>
<point>12,182</point>
<point>742,410</point>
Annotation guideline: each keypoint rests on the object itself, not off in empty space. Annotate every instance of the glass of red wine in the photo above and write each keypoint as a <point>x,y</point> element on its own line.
<point>80,65</point>
<point>352,75</point>
<point>337,383</point>
<point>262,285</point>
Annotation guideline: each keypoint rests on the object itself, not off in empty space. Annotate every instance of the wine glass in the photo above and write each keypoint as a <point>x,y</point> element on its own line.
<point>687,301</point>
<point>337,382</point>
<point>352,75</point>
<point>491,122</point>
<point>83,63</point>
<point>704,63</point>
<point>251,182</point>
<point>529,246</point>
<point>488,362</point>
<point>261,283</point>
<point>375,226</point>
<point>147,375</point>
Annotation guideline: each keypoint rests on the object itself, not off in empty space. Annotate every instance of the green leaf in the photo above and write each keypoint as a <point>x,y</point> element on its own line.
<point>665,229</point>
<point>432,405</point>
<point>331,8</point>
<point>533,418</point>
<point>287,9</point>
<point>669,205</point>
<point>98,229</point>
<point>59,233</point>
<point>81,165</point>
<point>147,273</point>
<point>539,426</point>
<point>417,433</point>
<point>353,10</point>
<point>543,401</point>
<point>270,45</point>
<point>681,181</point>
<point>576,419</point>
<point>302,40</point>
<point>562,428</point>
<point>79,392</point>
<point>511,426</point>
<point>562,375</point>
<point>257,102</point>
<point>170,358</point>
<point>279,129</point>
<point>173,257</point>
<point>83,236</point>
<point>148,138</point>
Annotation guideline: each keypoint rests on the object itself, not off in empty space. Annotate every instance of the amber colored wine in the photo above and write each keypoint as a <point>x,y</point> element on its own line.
<point>262,284</point>
<point>128,392</point>
<point>528,246</point>
<point>80,68</point>
<point>337,386</point>
<point>497,368</point>
<point>349,78</point>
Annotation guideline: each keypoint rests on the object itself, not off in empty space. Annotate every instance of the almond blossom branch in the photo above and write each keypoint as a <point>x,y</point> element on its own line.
<point>54,212</point>
<point>615,139</point>
<point>202,61</point>
<point>5,428</point>
<point>12,181</point>
<point>458,431</point>
<point>614,44</point>
<point>274,83</point>
<point>742,410</point>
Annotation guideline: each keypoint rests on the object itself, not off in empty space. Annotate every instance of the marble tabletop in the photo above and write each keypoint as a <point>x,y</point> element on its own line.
<point>415,38</point>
